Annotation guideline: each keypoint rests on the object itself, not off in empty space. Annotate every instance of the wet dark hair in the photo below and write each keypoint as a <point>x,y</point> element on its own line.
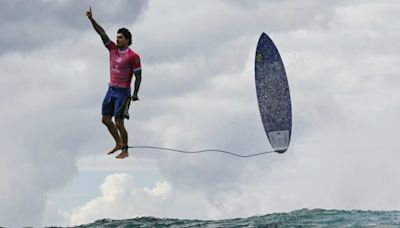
<point>126,34</point>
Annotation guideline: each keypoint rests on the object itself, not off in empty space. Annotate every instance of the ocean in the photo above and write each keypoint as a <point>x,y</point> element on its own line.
<point>298,218</point>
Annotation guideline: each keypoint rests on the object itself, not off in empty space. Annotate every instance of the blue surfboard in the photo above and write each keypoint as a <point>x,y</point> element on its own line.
<point>273,94</point>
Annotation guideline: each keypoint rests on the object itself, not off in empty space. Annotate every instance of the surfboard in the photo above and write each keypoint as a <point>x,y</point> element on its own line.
<point>273,94</point>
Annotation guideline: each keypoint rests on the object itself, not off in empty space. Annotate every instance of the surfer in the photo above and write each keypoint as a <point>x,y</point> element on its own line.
<point>124,62</point>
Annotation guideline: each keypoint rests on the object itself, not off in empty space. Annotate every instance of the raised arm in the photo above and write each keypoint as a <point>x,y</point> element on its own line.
<point>97,27</point>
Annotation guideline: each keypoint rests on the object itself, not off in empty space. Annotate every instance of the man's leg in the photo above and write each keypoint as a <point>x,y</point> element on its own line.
<point>119,123</point>
<point>114,132</point>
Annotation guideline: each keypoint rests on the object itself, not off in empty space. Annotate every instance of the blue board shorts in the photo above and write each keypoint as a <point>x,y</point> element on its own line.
<point>116,102</point>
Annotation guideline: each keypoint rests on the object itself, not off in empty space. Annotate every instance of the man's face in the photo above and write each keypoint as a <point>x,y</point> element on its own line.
<point>121,41</point>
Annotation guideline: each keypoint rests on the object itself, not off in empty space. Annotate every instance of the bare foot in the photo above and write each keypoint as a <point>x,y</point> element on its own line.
<point>123,155</point>
<point>116,148</point>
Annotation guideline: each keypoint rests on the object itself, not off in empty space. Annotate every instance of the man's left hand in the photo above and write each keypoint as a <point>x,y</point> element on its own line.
<point>134,97</point>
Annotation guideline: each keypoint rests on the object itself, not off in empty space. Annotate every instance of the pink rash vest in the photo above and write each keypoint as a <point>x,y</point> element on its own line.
<point>123,63</point>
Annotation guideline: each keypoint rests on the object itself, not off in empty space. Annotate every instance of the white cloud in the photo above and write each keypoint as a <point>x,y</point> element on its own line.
<point>120,199</point>
<point>161,190</point>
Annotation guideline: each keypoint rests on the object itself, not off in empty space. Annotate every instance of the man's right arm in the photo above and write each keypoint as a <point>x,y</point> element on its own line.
<point>97,27</point>
<point>100,31</point>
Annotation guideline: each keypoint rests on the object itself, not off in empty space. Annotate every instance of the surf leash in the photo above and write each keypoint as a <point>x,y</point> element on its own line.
<point>202,151</point>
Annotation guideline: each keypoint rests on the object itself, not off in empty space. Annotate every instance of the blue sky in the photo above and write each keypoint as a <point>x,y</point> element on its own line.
<point>197,92</point>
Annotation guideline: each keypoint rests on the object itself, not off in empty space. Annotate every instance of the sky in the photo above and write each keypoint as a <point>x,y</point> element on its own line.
<point>342,62</point>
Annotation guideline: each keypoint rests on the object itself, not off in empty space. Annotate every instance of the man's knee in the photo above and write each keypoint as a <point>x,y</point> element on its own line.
<point>119,124</point>
<point>106,120</point>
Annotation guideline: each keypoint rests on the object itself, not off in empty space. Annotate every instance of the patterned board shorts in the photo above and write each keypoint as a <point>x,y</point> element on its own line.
<point>116,102</point>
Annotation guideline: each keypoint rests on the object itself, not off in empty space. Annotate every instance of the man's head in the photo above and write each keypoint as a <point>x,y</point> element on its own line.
<point>124,38</point>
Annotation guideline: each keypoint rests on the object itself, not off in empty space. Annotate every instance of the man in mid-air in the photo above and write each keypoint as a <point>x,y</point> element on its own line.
<point>123,64</point>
